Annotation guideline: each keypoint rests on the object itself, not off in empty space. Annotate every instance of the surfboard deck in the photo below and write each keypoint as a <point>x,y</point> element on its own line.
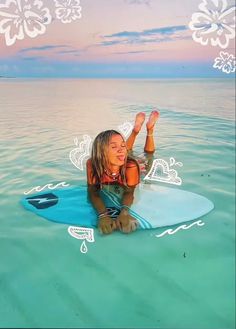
<point>154,206</point>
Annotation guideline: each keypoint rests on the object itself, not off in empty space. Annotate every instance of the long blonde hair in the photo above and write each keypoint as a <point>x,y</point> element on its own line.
<point>99,156</point>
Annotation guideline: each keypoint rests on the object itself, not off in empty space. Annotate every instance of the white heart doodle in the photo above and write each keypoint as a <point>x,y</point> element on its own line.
<point>161,172</point>
<point>78,155</point>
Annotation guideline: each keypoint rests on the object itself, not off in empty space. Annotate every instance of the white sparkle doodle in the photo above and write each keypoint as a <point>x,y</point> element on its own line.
<point>79,154</point>
<point>225,62</point>
<point>161,172</point>
<point>50,186</point>
<point>20,18</point>
<point>181,227</point>
<point>125,128</point>
<point>67,10</point>
<point>82,233</point>
<point>214,24</point>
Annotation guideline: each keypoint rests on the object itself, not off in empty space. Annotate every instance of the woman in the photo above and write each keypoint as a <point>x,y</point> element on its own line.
<point>110,164</point>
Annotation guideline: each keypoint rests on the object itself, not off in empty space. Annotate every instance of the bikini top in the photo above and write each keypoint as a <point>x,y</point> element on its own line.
<point>107,179</point>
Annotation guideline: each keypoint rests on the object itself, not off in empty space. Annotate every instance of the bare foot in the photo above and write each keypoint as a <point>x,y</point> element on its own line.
<point>152,119</point>
<point>140,117</point>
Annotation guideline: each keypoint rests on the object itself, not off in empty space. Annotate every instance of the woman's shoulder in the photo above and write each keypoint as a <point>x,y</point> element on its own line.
<point>89,163</point>
<point>132,173</point>
<point>131,163</point>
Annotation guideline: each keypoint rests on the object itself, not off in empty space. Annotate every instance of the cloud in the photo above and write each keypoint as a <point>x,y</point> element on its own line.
<point>157,35</point>
<point>55,49</point>
<point>72,52</point>
<point>42,48</point>
<point>32,58</point>
<point>133,52</point>
<point>139,2</point>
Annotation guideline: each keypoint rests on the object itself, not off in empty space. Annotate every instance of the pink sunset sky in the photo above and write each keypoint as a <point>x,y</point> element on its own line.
<point>117,38</point>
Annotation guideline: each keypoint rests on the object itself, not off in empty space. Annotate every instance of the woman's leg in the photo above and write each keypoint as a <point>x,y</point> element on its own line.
<point>140,117</point>
<point>149,144</point>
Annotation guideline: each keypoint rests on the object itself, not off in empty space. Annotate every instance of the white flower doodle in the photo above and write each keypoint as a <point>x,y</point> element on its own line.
<point>214,24</point>
<point>67,10</point>
<point>23,17</point>
<point>225,62</point>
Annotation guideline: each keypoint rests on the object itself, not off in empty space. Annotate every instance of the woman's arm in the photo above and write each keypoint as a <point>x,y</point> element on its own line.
<point>125,222</point>
<point>105,223</point>
<point>95,199</point>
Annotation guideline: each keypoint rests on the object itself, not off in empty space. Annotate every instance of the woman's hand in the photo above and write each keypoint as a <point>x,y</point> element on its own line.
<point>126,223</point>
<point>106,225</point>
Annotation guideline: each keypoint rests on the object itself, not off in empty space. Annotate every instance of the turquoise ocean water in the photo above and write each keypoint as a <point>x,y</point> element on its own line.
<point>184,280</point>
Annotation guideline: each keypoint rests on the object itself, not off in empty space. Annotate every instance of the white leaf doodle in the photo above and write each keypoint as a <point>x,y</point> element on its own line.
<point>181,227</point>
<point>214,24</point>
<point>225,62</point>
<point>125,128</point>
<point>161,172</point>
<point>67,10</point>
<point>82,233</point>
<point>79,154</point>
<point>173,162</point>
<point>20,18</point>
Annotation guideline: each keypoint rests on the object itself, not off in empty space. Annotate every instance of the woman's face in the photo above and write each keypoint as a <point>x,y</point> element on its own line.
<point>117,151</point>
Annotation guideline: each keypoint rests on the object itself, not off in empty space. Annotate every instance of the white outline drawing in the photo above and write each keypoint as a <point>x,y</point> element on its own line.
<point>225,62</point>
<point>174,163</point>
<point>125,128</point>
<point>83,247</point>
<point>166,174</point>
<point>67,10</point>
<point>50,186</point>
<point>214,24</point>
<point>181,227</point>
<point>78,154</point>
<point>20,18</point>
<point>82,233</point>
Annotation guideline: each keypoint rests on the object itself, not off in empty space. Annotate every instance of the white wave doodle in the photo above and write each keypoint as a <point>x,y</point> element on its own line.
<point>50,186</point>
<point>214,23</point>
<point>67,10</point>
<point>82,233</point>
<point>79,154</point>
<point>181,227</point>
<point>20,18</point>
<point>225,62</point>
<point>125,128</point>
<point>161,172</point>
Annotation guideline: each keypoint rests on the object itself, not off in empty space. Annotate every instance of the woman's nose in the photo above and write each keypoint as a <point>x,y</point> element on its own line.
<point>120,149</point>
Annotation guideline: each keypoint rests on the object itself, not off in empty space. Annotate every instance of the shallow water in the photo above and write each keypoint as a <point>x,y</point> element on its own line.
<point>184,280</point>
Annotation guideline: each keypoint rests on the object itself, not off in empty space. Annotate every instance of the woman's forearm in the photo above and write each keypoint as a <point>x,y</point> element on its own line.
<point>96,200</point>
<point>128,198</point>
